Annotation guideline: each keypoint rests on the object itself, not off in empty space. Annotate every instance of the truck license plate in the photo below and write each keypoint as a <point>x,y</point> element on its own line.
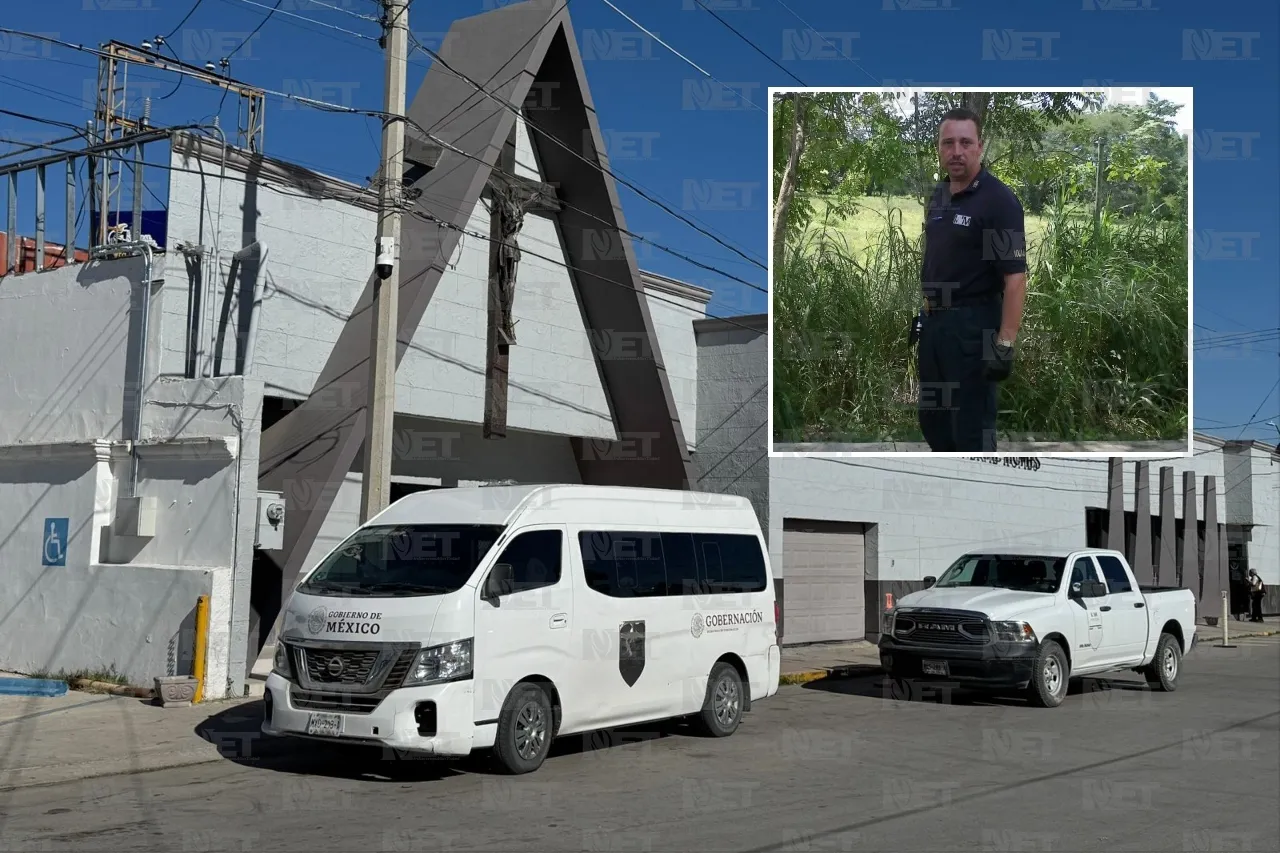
<point>935,667</point>
<point>325,725</point>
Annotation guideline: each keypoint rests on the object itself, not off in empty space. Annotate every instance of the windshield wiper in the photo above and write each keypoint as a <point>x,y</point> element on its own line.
<point>342,589</point>
<point>400,586</point>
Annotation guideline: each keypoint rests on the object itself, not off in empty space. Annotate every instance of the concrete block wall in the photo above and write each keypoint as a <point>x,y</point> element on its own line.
<point>317,261</point>
<point>733,400</point>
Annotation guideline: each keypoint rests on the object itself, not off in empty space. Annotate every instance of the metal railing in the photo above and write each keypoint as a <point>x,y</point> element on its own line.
<point>95,155</point>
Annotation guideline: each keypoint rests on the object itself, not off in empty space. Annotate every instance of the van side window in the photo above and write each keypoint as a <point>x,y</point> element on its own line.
<point>625,564</point>
<point>535,559</point>
<point>1113,571</point>
<point>732,562</point>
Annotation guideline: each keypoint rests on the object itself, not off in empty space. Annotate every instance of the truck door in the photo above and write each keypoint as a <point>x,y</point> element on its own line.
<point>1128,615</point>
<point>1089,636</point>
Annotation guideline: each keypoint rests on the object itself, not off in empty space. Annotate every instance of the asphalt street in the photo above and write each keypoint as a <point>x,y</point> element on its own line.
<point>836,765</point>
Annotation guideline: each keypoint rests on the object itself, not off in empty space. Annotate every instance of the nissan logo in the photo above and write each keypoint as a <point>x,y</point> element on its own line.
<point>335,666</point>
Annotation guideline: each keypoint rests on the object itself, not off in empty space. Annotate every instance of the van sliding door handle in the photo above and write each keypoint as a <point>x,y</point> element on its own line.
<point>559,620</point>
<point>1139,604</point>
<point>1104,608</point>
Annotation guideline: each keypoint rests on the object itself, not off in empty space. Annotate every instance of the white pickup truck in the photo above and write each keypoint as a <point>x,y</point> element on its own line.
<point>1032,621</point>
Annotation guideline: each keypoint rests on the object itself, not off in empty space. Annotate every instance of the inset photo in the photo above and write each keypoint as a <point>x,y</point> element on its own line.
<point>971,272</point>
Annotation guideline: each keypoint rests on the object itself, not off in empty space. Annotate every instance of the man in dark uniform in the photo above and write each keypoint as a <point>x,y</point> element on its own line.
<point>975,282</point>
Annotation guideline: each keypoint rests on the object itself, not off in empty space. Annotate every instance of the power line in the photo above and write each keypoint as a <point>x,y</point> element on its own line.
<point>680,55</point>
<point>418,45</point>
<point>274,9</point>
<point>322,105</point>
<point>261,24</point>
<point>827,40</point>
<point>751,44</point>
<point>190,12</point>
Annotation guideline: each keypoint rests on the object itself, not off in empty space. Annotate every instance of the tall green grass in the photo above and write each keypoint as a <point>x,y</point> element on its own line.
<point>1102,354</point>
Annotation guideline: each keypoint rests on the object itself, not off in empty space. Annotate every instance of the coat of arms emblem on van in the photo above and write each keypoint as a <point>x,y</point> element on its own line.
<point>316,620</point>
<point>699,625</point>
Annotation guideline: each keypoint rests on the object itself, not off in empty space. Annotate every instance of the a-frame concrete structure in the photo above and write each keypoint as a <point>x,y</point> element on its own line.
<point>525,54</point>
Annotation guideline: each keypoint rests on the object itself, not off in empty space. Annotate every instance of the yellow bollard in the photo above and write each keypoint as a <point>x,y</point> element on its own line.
<point>202,644</point>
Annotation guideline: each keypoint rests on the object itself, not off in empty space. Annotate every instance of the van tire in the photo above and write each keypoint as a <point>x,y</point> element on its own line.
<point>1162,672</point>
<point>525,729</point>
<point>1050,676</point>
<point>722,708</point>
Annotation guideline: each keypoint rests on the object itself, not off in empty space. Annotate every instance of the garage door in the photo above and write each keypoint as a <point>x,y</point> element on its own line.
<point>822,567</point>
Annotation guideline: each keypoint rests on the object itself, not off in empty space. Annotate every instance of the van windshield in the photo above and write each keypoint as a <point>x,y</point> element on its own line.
<point>1026,573</point>
<point>390,561</point>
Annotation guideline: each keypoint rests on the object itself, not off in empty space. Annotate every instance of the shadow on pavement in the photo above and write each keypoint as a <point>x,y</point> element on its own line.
<point>871,682</point>
<point>237,734</point>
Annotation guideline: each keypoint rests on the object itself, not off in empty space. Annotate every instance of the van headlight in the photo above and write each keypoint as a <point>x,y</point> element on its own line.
<point>280,664</point>
<point>448,662</point>
<point>1013,632</point>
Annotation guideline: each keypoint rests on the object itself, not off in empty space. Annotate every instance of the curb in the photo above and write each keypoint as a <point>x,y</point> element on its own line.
<point>844,671</point>
<point>46,687</point>
<point>87,686</point>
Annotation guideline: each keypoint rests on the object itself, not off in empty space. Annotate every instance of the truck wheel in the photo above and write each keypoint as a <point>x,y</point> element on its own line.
<point>722,708</point>
<point>1163,670</point>
<point>1049,677</point>
<point>524,730</point>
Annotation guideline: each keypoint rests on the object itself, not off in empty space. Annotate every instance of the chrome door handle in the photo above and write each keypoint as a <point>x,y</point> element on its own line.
<point>559,620</point>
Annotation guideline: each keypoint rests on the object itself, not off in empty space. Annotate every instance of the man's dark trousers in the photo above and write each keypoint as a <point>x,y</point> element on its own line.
<point>957,404</point>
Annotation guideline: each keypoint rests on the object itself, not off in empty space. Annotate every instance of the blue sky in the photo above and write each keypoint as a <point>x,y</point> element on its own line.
<point>1227,51</point>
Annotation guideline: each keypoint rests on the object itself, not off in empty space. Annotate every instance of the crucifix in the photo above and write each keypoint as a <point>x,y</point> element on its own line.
<point>509,199</point>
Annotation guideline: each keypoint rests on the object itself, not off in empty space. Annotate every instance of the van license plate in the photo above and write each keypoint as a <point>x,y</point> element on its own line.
<point>935,667</point>
<point>325,725</point>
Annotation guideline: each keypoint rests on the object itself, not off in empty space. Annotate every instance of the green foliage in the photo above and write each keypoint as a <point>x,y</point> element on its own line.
<point>1103,352</point>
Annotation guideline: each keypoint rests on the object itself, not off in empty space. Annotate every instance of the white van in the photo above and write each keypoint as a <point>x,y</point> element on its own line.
<point>504,616</point>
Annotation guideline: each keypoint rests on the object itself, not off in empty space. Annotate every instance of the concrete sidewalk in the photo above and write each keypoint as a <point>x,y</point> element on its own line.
<point>79,736</point>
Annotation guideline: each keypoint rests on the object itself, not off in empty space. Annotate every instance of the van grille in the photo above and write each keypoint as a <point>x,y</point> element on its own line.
<point>943,627</point>
<point>353,703</point>
<point>339,666</point>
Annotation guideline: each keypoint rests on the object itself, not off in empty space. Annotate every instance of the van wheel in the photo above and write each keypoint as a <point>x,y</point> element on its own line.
<point>722,708</point>
<point>1162,672</point>
<point>1050,676</point>
<point>524,730</point>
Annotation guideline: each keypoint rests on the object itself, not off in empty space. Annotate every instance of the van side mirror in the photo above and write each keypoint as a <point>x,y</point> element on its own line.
<point>499,582</point>
<point>929,580</point>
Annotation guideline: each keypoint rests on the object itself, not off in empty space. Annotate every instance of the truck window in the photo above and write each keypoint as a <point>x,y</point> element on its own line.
<point>625,564</point>
<point>535,559</point>
<point>1082,571</point>
<point>1113,571</point>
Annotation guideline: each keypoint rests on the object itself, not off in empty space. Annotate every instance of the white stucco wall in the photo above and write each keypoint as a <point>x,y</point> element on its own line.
<point>1264,542</point>
<point>318,258</point>
<point>66,334</point>
<point>121,601</point>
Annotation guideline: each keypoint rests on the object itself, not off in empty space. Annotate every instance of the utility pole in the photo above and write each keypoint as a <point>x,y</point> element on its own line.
<point>380,413</point>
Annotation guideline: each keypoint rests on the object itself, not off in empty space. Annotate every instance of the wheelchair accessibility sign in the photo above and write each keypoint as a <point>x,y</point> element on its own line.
<point>54,537</point>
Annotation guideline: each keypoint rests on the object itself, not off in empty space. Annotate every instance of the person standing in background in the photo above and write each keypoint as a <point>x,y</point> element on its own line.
<point>1257,589</point>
